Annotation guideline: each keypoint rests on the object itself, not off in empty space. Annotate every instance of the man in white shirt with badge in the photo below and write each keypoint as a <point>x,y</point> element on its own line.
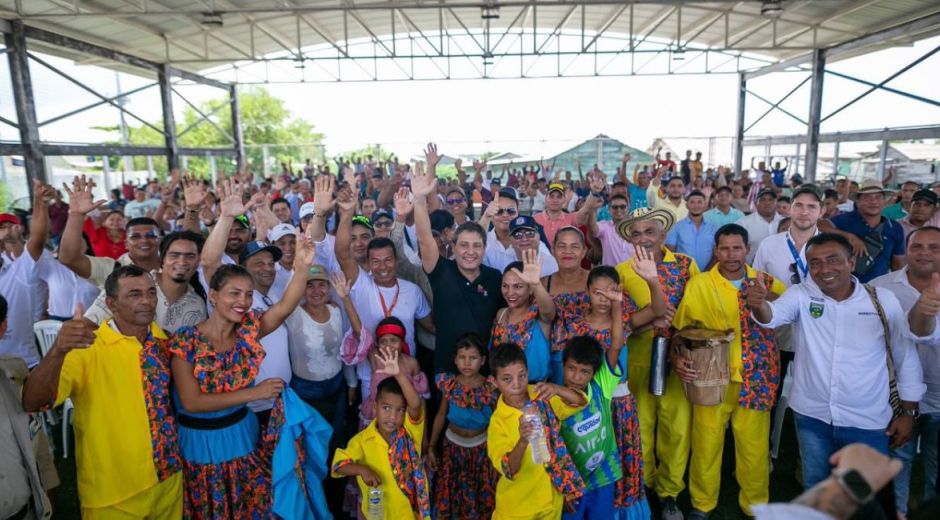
<point>920,276</point>
<point>841,382</point>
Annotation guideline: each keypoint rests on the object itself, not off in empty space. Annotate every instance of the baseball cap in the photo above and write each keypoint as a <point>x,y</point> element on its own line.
<point>280,231</point>
<point>256,246</point>
<point>243,220</point>
<point>496,180</point>
<point>767,191</point>
<point>813,190</point>
<point>318,272</point>
<point>509,193</point>
<point>522,222</point>
<point>381,213</point>
<point>556,186</point>
<point>925,195</point>
<point>455,189</point>
<point>11,218</point>
<point>307,209</point>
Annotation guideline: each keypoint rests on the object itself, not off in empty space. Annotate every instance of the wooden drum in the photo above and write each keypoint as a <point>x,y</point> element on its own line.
<point>708,350</point>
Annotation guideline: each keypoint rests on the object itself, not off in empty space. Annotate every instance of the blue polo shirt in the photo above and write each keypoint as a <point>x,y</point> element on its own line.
<point>697,242</point>
<point>892,235</point>
<point>637,197</point>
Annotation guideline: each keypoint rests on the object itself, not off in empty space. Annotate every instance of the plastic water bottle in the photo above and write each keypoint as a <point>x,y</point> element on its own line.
<point>537,441</point>
<point>376,507</point>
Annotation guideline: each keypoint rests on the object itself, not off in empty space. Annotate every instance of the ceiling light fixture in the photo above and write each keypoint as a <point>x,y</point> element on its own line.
<point>678,54</point>
<point>771,8</point>
<point>490,11</point>
<point>211,19</point>
<point>487,58</point>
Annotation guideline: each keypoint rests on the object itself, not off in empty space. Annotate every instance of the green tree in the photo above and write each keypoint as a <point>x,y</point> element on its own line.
<point>264,118</point>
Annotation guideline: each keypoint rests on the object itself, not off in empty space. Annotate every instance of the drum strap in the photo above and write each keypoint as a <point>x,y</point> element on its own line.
<point>893,397</point>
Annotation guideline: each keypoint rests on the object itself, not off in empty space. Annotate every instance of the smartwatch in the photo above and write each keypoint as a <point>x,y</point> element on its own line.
<point>855,485</point>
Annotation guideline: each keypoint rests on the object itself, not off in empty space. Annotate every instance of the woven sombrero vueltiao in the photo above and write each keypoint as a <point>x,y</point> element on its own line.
<point>663,216</point>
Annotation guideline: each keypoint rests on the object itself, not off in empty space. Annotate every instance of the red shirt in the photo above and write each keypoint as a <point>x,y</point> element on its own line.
<point>101,243</point>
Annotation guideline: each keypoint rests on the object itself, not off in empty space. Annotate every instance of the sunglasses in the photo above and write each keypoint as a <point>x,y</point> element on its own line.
<point>506,211</point>
<point>794,274</point>
<point>459,200</point>
<point>384,223</point>
<point>524,233</point>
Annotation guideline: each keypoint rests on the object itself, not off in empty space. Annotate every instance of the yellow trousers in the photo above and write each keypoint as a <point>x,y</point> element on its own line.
<point>751,431</point>
<point>665,423</point>
<point>161,502</point>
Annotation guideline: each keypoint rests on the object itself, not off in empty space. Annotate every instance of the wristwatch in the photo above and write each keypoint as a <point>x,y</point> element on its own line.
<point>855,485</point>
<point>911,412</point>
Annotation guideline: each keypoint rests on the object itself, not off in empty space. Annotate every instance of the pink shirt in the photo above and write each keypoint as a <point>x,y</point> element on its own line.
<point>552,226</point>
<point>616,249</point>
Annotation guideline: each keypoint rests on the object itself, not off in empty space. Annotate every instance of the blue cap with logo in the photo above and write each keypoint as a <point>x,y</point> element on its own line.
<point>523,222</point>
<point>256,246</point>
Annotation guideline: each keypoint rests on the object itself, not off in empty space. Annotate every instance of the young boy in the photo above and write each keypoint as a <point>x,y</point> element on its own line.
<point>387,453</point>
<point>589,433</point>
<point>526,489</point>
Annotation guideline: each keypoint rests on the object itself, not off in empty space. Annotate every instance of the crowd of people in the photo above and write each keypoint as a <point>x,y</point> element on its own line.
<point>376,341</point>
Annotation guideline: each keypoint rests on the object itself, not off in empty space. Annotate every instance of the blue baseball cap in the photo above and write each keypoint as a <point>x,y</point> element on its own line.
<point>523,222</point>
<point>256,246</point>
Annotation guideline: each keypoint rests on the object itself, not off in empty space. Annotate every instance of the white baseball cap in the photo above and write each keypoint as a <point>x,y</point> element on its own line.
<point>307,209</point>
<point>280,231</point>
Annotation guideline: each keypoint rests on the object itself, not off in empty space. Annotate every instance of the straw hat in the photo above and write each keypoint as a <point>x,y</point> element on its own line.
<point>663,216</point>
<point>872,186</point>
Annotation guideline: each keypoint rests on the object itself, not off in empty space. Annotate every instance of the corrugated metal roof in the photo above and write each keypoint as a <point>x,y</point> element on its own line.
<point>172,31</point>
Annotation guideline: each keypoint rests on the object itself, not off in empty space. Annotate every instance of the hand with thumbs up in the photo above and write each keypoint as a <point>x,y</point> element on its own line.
<point>756,292</point>
<point>75,333</point>
<point>923,316</point>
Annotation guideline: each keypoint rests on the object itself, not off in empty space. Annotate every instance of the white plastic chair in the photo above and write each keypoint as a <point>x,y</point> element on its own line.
<point>781,412</point>
<point>46,332</point>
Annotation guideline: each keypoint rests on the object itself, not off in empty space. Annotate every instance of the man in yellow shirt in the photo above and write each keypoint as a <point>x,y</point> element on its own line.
<point>715,300</point>
<point>664,420</point>
<point>672,201</point>
<point>118,379</point>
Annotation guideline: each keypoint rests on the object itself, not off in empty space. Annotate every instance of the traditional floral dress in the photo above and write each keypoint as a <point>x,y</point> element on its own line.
<point>226,463</point>
<point>466,481</point>
<point>630,495</point>
<point>528,334</point>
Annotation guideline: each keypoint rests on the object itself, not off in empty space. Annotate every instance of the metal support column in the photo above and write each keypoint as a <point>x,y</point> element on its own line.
<point>835,160</point>
<point>240,163</point>
<point>739,134</point>
<point>883,160</point>
<point>25,104</point>
<point>815,114</point>
<point>169,120</point>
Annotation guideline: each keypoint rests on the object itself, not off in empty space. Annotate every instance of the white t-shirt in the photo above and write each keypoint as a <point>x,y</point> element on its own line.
<point>277,359</point>
<point>411,304</point>
<point>18,285</point>
<point>66,289</point>
<point>314,346</point>
<point>538,202</point>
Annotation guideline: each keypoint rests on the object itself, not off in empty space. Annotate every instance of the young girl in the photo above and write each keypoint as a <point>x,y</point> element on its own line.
<point>595,320</point>
<point>465,480</point>
<point>527,319</point>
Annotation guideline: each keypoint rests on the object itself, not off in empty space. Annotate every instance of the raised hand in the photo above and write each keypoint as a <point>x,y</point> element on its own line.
<point>388,362</point>
<point>349,175</point>
<point>929,302</point>
<point>230,195</point>
<point>341,284</point>
<point>479,165</point>
<point>598,183</point>
<point>431,156</point>
<point>42,193</point>
<point>306,252</point>
<point>81,195</point>
<point>458,164</point>
<point>346,202</point>
<point>644,265</point>
<point>531,267</point>
<point>194,192</point>
<point>323,188</point>
<point>403,204</point>
<point>756,293</point>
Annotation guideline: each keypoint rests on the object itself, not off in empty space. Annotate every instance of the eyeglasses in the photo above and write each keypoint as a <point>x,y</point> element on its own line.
<point>150,235</point>
<point>458,200</point>
<point>524,233</point>
<point>384,223</point>
<point>618,207</point>
<point>506,211</point>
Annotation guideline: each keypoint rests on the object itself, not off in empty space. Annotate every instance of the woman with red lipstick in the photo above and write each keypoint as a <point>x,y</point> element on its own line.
<point>527,319</point>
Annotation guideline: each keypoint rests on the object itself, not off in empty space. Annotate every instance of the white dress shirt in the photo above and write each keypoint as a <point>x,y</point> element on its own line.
<point>929,350</point>
<point>774,257</point>
<point>757,230</point>
<point>498,257</point>
<point>840,373</point>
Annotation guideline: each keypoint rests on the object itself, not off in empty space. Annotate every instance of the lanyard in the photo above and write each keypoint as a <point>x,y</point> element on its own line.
<point>387,311</point>
<point>800,265</point>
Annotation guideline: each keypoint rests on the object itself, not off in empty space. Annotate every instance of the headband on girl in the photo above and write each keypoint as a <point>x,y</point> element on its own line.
<point>394,330</point>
